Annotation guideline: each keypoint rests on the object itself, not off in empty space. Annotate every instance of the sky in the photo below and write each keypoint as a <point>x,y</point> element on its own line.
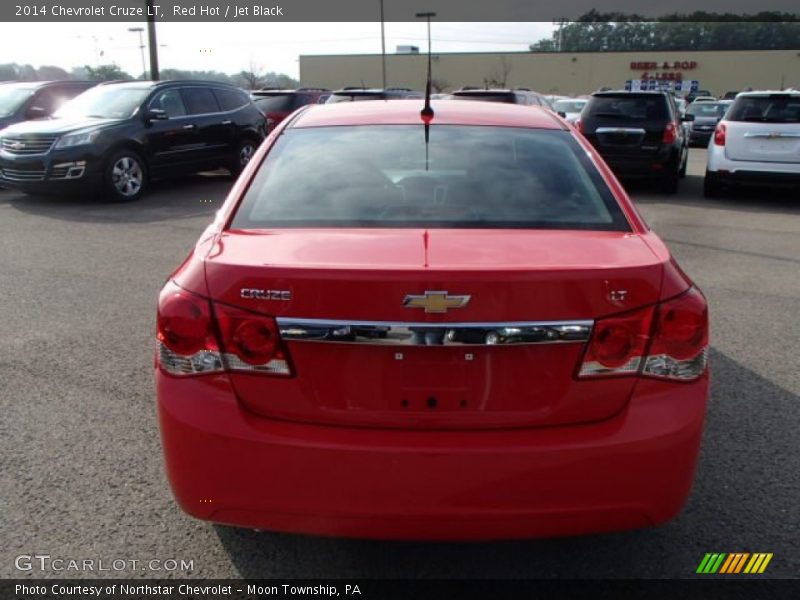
<point>233,47</point>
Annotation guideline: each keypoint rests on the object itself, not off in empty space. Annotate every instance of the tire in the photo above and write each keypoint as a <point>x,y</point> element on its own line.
<point>125,177</point>
<point>242,155</point>
<point>711,186</point>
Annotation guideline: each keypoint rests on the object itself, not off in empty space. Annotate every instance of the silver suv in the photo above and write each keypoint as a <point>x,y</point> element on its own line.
<point>756,143</point>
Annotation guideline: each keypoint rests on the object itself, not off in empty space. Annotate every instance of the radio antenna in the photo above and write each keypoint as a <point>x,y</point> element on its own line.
<point>427,111</point>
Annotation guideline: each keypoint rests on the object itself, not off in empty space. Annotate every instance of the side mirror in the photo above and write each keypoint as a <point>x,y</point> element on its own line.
<point>156,114</point>
<point>36,112</point>
<point>562,114</point>
<point>687,117</point>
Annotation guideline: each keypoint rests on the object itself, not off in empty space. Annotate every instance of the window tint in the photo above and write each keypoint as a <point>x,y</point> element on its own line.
<point>281,103</point>
<point>170,102</point>
<point>199,100</point>
<point>473,177</point>
<point>766,109</point>
<point>230,99</point>
<point>569,106</point>
<point>707,109</point>
<point>641,108</point>
<point>506,97</point>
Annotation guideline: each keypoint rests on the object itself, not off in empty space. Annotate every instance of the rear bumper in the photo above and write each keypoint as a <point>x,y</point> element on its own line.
<point>739,172</point>
<point>656,165</point>
<point>700,137</point>
<point>229,466</point>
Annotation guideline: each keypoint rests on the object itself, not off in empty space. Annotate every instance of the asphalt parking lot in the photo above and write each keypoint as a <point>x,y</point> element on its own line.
<point>82,474</point>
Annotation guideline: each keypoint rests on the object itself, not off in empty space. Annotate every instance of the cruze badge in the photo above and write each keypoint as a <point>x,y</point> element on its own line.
<point>435,302</point>
<point>254,294</point>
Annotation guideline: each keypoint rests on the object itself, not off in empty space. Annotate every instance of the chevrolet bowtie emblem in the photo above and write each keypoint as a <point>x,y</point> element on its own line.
<point>435,302</point>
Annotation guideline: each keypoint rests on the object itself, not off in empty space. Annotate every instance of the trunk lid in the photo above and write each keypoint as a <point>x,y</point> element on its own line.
<point>763,142</point>
<point>362,277</point>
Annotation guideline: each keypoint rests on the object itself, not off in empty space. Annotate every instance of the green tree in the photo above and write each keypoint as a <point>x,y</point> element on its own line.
<point>609,32</point>
<point>106,73</point>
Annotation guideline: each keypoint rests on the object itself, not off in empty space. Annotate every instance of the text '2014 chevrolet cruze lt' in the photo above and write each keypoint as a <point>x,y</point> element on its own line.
<point>446,325</point>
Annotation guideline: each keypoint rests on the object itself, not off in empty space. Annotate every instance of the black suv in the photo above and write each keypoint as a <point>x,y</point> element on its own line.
<point>516,96</point>
<point>116,137</point>
<point>24,100</point>
<point>639,134</point>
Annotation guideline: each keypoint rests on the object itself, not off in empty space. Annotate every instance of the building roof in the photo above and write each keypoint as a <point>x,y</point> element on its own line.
<point>407,112</point>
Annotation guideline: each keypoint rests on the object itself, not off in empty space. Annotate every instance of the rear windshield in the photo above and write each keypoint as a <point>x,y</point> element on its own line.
<point>506,97</point>
<point>355,97</point>
<point>628,108</point>
<point>569,106</point>
<point>766,109</point>
<point>281,103</point>
<point>707,109</point>
<point>467,176</point>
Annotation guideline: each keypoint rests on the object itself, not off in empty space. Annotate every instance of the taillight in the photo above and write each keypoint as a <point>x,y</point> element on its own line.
<point>667,341</point>
<point>618,344</point>
<point>670,133</point>
<point>186,344</point>
<point>192,338</point>
<point>680,338</point>
<point>719,134</point>
<point>250,341</point>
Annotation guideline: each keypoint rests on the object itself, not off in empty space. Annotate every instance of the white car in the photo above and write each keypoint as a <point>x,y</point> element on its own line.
<point>570,108</point>
<point>757,142</point>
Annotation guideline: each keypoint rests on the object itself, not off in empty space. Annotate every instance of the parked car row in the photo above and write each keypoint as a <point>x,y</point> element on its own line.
<point>116,137</point>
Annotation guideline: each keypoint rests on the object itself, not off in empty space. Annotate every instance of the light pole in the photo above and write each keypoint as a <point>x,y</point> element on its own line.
<point>140,31</point>
<point>383,50</point>
<point>151,40</point>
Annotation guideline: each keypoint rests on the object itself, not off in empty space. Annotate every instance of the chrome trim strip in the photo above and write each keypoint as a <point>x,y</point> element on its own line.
<point>399,333</point>
<point>625,130</point>
<point>770,135</point>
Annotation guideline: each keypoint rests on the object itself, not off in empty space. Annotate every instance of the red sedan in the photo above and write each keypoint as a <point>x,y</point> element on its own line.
<point>414,327</point>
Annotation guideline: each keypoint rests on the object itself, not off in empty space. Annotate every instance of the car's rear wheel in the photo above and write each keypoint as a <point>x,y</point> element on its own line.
<point>244,152</point>
<point>711,185</point>
<point>125,177</point>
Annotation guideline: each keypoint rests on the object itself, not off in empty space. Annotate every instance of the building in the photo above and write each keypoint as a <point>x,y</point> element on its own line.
<point>559,73</point>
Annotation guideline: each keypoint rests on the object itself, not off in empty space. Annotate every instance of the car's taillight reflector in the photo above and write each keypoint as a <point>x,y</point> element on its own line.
<point>670,133</point>
<point>680,338</point>
<point>667,341</point>
<point>194,337</point>
<point>250,341</point>
<point>186,344</point>
<point>719,134</point>
<point>618,344</point>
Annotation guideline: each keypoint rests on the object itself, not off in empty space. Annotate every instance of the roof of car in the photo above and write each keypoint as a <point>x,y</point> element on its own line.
<point>407,112</point>
<point>769,93</point>
<point>42,84</point>
<point>139,84</point>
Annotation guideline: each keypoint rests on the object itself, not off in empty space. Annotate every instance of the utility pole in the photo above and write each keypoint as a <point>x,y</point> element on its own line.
<point>140,31</point>
<point>151,40</point>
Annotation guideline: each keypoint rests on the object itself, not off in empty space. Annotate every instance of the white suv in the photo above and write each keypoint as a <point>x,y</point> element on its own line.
<point>757,142</point>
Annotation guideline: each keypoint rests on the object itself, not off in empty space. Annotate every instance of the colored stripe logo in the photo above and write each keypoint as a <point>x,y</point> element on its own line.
<point>734,563</point>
